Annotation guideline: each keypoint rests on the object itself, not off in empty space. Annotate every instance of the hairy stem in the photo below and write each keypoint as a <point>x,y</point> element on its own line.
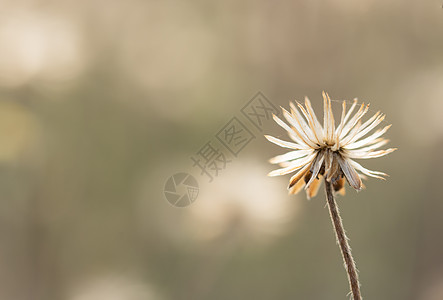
<point>343,243</point>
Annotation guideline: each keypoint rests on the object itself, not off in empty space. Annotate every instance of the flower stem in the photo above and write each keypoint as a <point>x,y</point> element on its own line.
<point>342,240</point>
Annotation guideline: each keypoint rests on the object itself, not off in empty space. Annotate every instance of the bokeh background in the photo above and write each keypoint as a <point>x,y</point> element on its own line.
<point>101,101</point>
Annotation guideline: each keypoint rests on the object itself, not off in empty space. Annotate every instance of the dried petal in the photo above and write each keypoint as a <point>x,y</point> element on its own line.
<point>315,168</point>
<point>350,173</point>
<point>299,175</point>
<point>313,189</point>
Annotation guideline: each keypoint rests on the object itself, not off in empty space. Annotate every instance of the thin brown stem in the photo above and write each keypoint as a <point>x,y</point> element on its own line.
<point>343,242</point>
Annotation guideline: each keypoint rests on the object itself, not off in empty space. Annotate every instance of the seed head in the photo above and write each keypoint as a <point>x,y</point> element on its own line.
<point>327,151</point>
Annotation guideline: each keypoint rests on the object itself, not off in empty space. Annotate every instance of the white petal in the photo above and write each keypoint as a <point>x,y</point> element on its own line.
<point>373,154</point>
<point>365,171</point>
<point>298,129</point>
<point>325,116</point>
<point>331,120</point>
<point>348,126</point>
<point>318,128</point>
<point>342,122</point>
<point>290,156</point>
<point>369,140</point>
<point>348,114</point>
<point>292,133</point>
<point>378,143</point>
<point>363,131</point>
<point>285,144</point>
<point>350,135</point>
<point>371,120</point>
<point>328,122</point>
<point>293,166</point>
<point>301,121</point>
<point>311,124</point>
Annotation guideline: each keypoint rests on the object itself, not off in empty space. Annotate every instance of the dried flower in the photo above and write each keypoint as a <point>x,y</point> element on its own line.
<point>328,151</point>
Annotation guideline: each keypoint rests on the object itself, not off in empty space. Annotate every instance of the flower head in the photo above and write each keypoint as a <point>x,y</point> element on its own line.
<point>328,151</point>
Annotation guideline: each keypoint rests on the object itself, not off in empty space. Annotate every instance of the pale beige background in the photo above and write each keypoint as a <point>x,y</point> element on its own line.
<point>101,101</point>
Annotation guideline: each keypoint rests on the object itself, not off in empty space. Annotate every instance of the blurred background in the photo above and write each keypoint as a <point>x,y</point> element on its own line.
<point>102,101</point>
